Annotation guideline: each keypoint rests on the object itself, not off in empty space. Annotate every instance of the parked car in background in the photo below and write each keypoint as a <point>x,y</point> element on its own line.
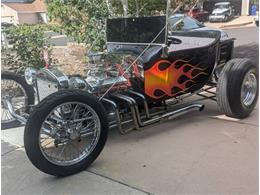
<point>222,12</point>
<point>199,14</point>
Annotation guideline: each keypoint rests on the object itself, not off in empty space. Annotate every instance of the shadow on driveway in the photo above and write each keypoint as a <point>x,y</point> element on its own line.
<point>250,51</point>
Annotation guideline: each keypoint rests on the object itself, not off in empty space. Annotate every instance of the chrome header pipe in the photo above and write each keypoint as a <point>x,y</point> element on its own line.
<point>144,102</point>
<point>131,105</point>
<point>114,105</point>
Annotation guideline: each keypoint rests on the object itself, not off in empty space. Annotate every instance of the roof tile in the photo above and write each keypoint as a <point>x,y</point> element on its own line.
<point>36,6</point>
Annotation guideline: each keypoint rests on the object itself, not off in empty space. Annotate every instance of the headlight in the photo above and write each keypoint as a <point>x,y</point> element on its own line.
<point>30,75</point>
<point>224,35</point>
<point>77,83</point>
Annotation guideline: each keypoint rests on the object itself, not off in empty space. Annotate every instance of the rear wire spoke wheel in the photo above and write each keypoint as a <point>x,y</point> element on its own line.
<point>15,90</point>
<point>66,132</point>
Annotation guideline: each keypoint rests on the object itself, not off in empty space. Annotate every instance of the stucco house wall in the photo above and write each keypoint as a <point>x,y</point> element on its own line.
<point>9,15</point>
<point>245,7</point>
<point>28,18</point>
<point>32,12</point>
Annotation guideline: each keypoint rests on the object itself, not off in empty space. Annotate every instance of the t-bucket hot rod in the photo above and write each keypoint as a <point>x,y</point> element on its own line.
<point>141,80</point>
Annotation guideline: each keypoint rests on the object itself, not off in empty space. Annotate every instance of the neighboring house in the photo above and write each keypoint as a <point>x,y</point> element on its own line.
<point>23,12</point>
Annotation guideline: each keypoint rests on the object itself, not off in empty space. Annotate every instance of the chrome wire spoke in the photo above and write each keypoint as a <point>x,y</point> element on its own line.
<point>16,95</point>
<point>6,116</point>
<point>69,133</point>
<point>74,112</point>
<point>47,144</point>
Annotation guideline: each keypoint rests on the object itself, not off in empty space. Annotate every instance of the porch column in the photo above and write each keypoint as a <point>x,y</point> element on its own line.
<point>245,7</point>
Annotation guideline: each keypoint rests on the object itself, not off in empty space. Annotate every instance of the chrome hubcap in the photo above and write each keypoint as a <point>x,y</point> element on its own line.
<point>69,133</point>
<point>249,89</point>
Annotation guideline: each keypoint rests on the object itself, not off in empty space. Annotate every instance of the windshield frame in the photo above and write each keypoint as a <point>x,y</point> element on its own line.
<point>177,18</point>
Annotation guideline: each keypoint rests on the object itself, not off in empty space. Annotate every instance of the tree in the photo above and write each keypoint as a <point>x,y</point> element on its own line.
<point>110,8</point>
<point>84,20</point>
<point>125,7</point>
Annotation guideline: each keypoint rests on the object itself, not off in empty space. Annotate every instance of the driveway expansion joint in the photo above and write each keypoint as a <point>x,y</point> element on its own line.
<point>237,122</point>
<point>117,181</point>
<point>10,151</point>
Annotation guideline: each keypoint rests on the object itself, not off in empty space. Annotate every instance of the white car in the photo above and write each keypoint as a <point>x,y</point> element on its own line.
<point>222,12</point>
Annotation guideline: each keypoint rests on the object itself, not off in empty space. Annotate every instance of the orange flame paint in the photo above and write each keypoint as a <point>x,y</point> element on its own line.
<point>165,80</point>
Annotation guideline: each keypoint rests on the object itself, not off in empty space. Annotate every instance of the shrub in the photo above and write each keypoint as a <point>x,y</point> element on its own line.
<point>28,44</point>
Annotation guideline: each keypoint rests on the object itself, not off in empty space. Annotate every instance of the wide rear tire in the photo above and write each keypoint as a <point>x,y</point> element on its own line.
<point>52,164</point>
<point>237,88</point>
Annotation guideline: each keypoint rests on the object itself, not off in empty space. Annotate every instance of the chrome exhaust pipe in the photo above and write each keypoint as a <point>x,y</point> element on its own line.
<point>136,110</point>
<point>114,105</point>
<point>131,105</point>
<point>168,116</point>
<point>140,121</point>
<point>138,116</point>
<point>146,109</point>
<point>182,111</point>
<point>174,114</point>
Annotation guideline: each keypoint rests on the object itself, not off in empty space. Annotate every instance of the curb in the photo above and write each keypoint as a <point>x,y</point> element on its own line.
<point>236,25</point>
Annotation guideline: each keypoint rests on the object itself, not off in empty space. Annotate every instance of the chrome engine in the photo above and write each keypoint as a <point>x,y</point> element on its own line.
<point>101,75</point>
<point>98,80</point>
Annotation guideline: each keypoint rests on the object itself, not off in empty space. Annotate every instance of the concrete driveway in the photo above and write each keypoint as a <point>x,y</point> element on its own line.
<point>199,153</point>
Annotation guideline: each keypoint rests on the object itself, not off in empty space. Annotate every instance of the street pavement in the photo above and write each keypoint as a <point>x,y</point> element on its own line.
<point>244,36</point>
<point>201,152</point>
<point>245,21</point>
<point>246,43</point>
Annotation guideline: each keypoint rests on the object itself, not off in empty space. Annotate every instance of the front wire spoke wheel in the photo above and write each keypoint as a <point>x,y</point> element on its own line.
<point>66,132</point>
<point>73,134</point>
